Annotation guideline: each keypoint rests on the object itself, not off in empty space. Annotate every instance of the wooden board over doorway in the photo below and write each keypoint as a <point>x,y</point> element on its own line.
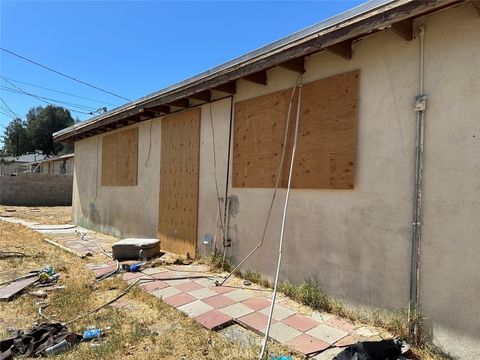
<point>179,167</point>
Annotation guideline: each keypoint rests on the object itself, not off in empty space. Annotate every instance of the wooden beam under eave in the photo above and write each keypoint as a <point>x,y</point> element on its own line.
<point>183,103</point>
<point>205,96</point>
<point>404,29</point>
<point>229,88</point>
<point>162,109</point>
<point>259,77</point>
<point>297,65</point>
<point>343,49</point>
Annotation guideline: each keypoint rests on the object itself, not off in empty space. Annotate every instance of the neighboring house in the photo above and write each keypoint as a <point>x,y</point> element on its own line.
<point>61,165</point>
<point>20,164</point>
<point>151,168</point>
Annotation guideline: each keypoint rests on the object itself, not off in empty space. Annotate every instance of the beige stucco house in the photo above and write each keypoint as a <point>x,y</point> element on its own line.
<point>165,164</point>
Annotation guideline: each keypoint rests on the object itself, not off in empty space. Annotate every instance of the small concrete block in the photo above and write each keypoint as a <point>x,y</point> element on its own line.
<point>282,332</point>
<point>130,276</point>
<point>203,293</point>
<point>194,308</point>
<point>188,286</point>
<point>236,310</point>
<point>343,324</point>
<point>213,319</point>
<point>154,286</point>
<point>307,344</point>
<point>328,354</point>
<point>219,301</point>
<point>239,295</point>
<point>257,303</point>
<point>223,289</point>
<point>300,322</point>
<point>327,333</point>
<point>179,300</point>
<point>279,312</point>
<point>167,292</point>
<point>255,321</point>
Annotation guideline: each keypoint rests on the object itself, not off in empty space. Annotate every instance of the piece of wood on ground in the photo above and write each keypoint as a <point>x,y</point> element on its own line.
<point>10,290</point>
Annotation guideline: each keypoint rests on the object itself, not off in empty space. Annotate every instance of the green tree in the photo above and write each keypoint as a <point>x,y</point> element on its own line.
<point>42,123</point>
<point>15,139</point>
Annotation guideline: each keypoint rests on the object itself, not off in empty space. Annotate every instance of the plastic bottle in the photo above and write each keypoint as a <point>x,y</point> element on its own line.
<point>62,346</point>
<point>92,334</point>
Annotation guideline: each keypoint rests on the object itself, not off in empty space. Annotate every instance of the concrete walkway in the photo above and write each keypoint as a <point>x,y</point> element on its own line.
<point>318,335</point>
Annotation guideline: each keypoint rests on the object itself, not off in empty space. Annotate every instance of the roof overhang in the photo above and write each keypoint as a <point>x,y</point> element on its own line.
<point>335,34</point>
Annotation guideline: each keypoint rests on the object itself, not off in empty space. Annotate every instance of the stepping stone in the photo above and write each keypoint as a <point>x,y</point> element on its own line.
<point>213,319</point>
<point>166,293</point>
<point>255,321</point>
<point>194,308</point>
<point>154,286</point>
<point>219,301</point>
<point>154,270</point>
<point>236,310</point>
<point>341,324</point>
<point>130,276</point>
<point>179,300</point>
<point>327,333</point>
<point>222,289</point>
<point>239,295</point>
<point>257,303</point>
<point>188,286</point>
<point>307,344</point>
<point>279,312</point>
<point>206,282</point>
<point>282,332</point>
<point>300,322</point>
<point>202,293</point>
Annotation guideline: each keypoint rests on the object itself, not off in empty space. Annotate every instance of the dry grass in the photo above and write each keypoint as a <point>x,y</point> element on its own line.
<point>149,329</point>
<point>42,215</point>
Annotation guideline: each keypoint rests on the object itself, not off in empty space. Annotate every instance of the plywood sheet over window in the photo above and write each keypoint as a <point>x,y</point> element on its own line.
<point>179,171</point>
<point>120,158</point>
<point>325,157</point>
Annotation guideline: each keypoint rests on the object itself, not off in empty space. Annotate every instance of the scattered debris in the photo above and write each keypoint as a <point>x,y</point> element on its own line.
<point>10,210</point>
<point>34,210</point>
<point>9,254</point>
<point>375,350</point>
<point>9,291</point>
<point>41,340</point>
<point>247,282</point>
<point>39,293</point>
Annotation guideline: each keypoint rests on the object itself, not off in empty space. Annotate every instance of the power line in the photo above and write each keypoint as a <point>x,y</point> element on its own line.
<point>45,101</point>
<point>4,112</point>
<point>64,75</point>
<point>8,107</point>
<point>58,91</point>
<point>84,107</point>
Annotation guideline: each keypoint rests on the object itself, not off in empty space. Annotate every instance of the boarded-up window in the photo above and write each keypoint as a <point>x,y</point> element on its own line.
<point>325,157</point>
<point>120,158</point>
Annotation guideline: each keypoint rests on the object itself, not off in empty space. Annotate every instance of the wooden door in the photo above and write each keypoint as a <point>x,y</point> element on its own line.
<point>179,166</point>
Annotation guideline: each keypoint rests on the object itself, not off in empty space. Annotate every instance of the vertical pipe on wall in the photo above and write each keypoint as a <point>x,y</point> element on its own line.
<point>420,108</point>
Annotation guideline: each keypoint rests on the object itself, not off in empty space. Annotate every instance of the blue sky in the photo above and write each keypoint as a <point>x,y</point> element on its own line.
<point>134,48</point>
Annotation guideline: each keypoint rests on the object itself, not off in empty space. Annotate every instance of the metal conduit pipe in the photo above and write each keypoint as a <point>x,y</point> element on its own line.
<point>282,231</point>
<point>420,109</point>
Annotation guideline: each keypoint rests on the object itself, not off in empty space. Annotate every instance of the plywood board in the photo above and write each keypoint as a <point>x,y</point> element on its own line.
<point>120,158</point>
<point>179,168</point>
<point>325,157</point>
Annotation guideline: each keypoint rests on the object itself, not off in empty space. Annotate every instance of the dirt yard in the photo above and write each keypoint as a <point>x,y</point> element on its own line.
<point>147,329</point>
<point>42,215</point>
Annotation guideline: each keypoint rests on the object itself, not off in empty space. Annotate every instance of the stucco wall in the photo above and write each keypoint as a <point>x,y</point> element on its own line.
<point>36,190</point>
<point>355,243</point>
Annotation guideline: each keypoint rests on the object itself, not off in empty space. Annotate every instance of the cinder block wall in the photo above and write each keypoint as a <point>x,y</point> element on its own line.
<point>36,190</point>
